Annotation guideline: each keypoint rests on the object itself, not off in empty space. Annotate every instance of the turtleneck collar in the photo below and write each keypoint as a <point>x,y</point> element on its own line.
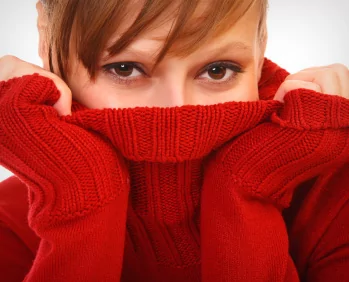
<point>177,134</point>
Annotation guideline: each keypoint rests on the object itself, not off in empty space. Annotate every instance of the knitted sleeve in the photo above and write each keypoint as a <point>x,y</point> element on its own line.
<point>249,182</point>
<point>76,180</point>
<point>318,227</point>
<point>330,260</point>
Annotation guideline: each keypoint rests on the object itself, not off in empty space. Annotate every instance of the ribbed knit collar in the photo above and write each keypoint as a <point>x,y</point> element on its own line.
<point>183,133</point>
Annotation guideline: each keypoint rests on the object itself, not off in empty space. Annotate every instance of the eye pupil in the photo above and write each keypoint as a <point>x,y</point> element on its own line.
<point>124,70</point>
<point>217,72</point>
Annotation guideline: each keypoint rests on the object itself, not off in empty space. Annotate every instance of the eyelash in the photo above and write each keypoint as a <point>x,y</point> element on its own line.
<point>225,64</point>
<point>126,81</point>
<point>108,69</point>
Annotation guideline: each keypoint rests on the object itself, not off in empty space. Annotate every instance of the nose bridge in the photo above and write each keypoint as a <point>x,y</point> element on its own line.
<point>172,89</point>
<point>172,93</point>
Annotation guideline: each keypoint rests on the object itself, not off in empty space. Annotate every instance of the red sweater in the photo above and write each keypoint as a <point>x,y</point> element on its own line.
<point>193,193</point>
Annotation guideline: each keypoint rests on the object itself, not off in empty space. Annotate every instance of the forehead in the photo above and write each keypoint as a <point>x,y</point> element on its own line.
<point>206,22</point>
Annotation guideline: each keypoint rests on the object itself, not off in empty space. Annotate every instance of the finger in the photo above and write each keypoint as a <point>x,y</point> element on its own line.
<point>326,78</point>
<point>64,103</point>
<point>343,74</point>
<point>50,91</point>
<point>16,67</point>
<point>289,85</point>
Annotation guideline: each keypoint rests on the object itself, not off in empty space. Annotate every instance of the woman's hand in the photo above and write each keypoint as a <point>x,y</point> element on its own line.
<point>77,181</point>
<point>46,151</point>
<point>249,181</point>
<point>11,66</point>
<point>332,80</point>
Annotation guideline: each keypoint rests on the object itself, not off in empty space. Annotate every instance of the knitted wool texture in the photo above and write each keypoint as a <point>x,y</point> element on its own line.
<point>190,193</point>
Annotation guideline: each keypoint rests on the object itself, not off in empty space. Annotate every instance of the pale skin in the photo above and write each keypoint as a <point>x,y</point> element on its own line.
<point>204,77</point>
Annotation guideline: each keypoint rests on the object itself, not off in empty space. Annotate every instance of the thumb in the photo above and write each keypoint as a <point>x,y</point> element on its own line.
<point>64,103</point>
<point>50,90</point>
<point>37,89</point>
<point>290,85</point>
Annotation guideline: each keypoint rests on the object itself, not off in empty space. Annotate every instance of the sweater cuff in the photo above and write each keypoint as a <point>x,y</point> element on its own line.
<point>309,110</point>
<point>35,89</point>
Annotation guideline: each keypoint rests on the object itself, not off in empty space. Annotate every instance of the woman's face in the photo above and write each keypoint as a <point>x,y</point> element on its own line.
<point>226,68</point>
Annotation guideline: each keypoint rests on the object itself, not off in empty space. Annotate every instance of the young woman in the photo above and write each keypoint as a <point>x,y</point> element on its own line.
<point>157,144</point>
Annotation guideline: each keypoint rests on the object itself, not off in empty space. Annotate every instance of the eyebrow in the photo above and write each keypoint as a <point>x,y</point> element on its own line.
<point>238,47</point>
<point>235,46</point>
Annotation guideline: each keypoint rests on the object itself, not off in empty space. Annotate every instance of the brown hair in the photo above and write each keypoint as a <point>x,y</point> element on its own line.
<point>92,23</point>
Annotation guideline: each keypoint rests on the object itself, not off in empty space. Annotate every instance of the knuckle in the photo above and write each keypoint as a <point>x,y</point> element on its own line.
<point>8,59</point>
<point>340,67</point>
<point>333,73</point>
<point>326,74</point>
<point>7,66</point>
<point>290,79</point>
<point>288,84</point>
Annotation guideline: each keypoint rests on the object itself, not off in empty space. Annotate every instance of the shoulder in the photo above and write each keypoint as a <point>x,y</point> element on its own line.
<point>319,227</point>
<point>14,210</point>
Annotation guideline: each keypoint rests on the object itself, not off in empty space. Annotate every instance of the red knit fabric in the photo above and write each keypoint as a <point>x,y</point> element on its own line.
<point>199,198</point>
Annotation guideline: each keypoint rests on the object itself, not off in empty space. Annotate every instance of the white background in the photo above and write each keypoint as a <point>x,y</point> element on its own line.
<point>301,33</point>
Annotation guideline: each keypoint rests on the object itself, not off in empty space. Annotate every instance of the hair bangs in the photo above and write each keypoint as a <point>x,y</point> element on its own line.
<point>87,26</point>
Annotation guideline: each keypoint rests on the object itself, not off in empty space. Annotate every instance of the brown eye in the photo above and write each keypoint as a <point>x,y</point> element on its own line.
<point>217,72</point>
<point>220,72</point>
<point>124,70</point>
